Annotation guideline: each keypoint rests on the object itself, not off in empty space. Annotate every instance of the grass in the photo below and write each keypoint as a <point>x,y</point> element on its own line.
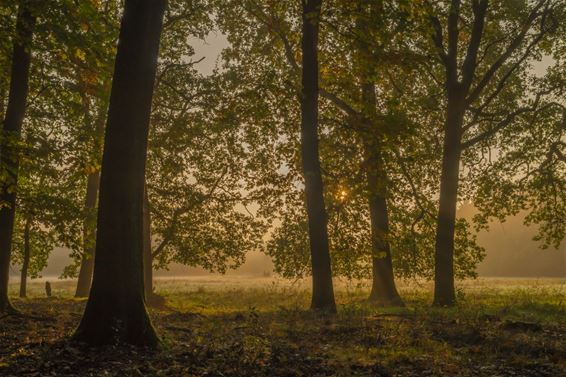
<point>240,326</point>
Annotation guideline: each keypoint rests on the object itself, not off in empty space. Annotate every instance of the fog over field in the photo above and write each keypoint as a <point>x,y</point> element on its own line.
<point>511,252</point>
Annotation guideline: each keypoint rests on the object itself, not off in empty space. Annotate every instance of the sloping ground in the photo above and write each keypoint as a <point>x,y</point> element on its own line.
<point>500,328</point>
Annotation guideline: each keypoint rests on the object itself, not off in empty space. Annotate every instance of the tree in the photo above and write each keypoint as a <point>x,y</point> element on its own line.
<point>43,206</point>
<point>90,201</point>
<point>262,76</point>
<point>358,115</point>
<point>481,96</point>
<point>323,291</point>
<point>9,147</point>
<point>115,310</point>
<point>90,51</point>
<point>528,177</point>
<point>200,211</point>
<point>33,243</point>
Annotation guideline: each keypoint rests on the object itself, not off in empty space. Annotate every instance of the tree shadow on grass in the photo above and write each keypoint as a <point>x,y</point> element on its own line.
<point>284,341</point>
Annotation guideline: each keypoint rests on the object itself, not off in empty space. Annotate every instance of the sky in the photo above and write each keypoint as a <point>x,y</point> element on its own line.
<point>210,49</point>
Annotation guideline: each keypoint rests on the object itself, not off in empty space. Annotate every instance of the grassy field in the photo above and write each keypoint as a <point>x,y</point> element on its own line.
<point>239,326</point>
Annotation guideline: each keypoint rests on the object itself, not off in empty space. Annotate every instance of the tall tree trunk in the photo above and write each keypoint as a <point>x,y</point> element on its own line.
<point>89,222</point>
<point>383,288</point>
<point>93,185</point>
<point>444,290</point>
<point>147,257</point>
<point>116,311</point>
<point>87,259</point>
<point>323,291</point>
<point>9,153</point>
<point>27,255</point>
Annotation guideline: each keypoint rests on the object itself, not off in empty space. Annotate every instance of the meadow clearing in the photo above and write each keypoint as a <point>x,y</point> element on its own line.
<point>260,326</point>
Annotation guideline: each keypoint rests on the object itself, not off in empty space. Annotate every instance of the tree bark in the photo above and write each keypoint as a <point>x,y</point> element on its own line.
<point>2,100</point>
<point>116,311</point>
<point>444,290</point>
<point>323,291</point>
<point>27,255</point>
<point>87,259</point>
<point>383,290</point>
<point>147,255</point>
<point>9,154</point>
<point>89,222</point>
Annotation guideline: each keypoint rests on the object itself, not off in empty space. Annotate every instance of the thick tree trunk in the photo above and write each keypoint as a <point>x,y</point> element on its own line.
<point>323,291</point>
<point>9,154</point>
<point>444,290</point>
<point>115,311</point>
<point>147,257</point>
<point>27,255</point>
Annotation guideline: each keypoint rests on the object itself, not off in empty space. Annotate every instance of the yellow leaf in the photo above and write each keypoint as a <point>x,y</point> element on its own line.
<point>80,54</point>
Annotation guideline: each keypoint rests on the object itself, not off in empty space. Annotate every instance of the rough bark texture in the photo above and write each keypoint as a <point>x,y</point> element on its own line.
<point>115,311</point>
<point>27,255</point>
<point>323,291</point>
<point>12,128</point>
<point>147,256</point>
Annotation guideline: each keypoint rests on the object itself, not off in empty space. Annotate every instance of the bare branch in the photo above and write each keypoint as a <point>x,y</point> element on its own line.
<point>513,46</point>
<point>470,61</point>
<point>504,123</point>
<point>438,39</point>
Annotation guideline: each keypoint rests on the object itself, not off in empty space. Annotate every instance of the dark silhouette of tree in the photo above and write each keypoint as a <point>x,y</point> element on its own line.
<point>10,140</point>
<point>473,88</point>
<point>115,311</point>
<point>383,288</point>
<point>323,291</point>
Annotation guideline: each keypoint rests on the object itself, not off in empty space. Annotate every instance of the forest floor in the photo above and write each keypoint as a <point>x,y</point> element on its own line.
<point>236,326</point>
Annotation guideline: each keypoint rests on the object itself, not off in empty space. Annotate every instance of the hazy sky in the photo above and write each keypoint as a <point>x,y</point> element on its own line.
<point>210,49</point>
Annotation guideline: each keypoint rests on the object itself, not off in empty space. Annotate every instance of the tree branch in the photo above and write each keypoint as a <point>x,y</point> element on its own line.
<point>513,46</point>
<point>470,61</point>
<point>453,35</point>
<point>181,211</point>
<point>502,124</point>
